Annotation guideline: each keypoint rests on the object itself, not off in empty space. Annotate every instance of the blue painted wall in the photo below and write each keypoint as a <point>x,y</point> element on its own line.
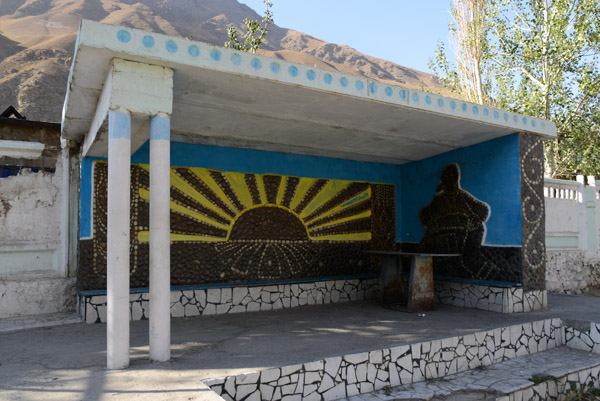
<point>489,171</point>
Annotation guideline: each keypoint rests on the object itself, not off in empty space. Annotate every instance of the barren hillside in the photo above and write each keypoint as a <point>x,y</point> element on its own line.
<point>37,39</point>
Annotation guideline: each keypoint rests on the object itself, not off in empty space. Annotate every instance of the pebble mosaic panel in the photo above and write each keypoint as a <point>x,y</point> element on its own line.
<point>240,227</point>
<point>349,375</point>
<point>531,150</point>
<point>216,301</point>
<point>490,298</point>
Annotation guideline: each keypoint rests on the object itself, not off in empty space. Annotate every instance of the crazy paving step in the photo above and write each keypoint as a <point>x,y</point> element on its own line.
<point>547,375</point>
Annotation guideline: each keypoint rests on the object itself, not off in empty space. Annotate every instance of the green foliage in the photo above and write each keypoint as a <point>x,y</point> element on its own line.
<point>255,32</point>
<point>544,61</point>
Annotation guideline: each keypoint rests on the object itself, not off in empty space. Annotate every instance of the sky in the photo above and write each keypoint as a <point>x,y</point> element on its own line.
<point>403,31</point>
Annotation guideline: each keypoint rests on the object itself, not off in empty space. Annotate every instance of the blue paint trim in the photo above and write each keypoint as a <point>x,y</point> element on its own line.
<point>501,284</point>
<point>123,35</point>
<point>85,198</point>
<point>90,293</point>
<point>160,128</point>
<point>119,125</point>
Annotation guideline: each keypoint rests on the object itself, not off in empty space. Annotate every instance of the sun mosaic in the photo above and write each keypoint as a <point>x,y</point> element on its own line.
<point>229,206</point>
<point>245,227</point>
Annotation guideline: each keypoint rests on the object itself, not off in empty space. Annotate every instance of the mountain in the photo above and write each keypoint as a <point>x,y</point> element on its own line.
<point>37,39</point>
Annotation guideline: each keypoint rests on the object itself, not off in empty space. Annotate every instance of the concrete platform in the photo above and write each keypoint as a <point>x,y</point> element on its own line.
<point>68,362</point>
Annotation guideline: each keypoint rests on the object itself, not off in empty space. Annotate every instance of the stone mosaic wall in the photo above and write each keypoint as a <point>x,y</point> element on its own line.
<point>212,301</point>
<point>345,376</point>
<point>562,388</point>
<point>582,335</point>
<point>495,299</point>
<point>572,271</point>
<point>531,150</point>
<point>238,227</point>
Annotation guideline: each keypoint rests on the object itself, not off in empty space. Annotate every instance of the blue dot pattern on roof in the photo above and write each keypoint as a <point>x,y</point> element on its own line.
<point>256,64</point>
<point>215,55</point>
<point>236,59</point>
<point>148,41</point>
<point>193,51</point>
<point>171,46</point>
<point>123,35</point>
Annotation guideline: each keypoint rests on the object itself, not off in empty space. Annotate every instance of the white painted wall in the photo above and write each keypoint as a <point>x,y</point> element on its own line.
<point>30,223</point>
<point>572,236</point>
<point>33,243</point>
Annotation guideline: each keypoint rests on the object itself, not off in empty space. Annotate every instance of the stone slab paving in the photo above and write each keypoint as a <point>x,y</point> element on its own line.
<point>502,378</point>
<point>20,323</point>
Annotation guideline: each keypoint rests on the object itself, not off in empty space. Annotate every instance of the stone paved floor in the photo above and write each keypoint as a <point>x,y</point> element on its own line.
<point>14,324</point>
<point>503,378</point>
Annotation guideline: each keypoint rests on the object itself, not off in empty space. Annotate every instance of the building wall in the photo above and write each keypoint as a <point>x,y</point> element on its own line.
<point>34,220</point>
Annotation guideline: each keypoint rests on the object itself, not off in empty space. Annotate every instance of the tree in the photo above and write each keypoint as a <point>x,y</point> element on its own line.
<point>544,62</point>
<point>469,43</point>
<point>255,32</point>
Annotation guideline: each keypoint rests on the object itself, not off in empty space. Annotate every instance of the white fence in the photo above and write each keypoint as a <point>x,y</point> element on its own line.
<point>572,219</point>
<point>572,237</point>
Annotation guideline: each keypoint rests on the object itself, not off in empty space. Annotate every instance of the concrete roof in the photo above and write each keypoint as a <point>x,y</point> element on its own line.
<point>230,98</point>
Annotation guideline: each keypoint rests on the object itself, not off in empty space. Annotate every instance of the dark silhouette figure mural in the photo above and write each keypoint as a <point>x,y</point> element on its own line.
<point>454,220</point>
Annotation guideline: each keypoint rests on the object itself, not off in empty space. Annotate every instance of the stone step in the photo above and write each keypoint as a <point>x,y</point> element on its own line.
<point>547,375</point>
<point>20,323</point>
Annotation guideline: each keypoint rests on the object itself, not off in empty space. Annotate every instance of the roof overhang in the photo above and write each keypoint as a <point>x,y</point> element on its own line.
<point>230,98</point>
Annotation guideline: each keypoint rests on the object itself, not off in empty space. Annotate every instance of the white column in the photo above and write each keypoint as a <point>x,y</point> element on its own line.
<point>160,247</point>
<point>117,277</point>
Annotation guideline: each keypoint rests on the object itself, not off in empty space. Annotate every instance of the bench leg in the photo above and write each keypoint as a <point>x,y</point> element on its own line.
<point>420,290</point>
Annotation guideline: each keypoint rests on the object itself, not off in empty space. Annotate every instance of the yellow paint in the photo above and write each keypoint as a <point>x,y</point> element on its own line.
<point>281,191</point>
<point>197,196</point>
<point>339,208</point>
<point>344,237</point>
<point>204,175</point>
<point>239,187</point>
<point>362,215</point>
<point>266,205</point>
<point>144,236</point>
<point>332,188</point>
<point>145,194</point>
<point>260,183</point>
<point>303,186</point>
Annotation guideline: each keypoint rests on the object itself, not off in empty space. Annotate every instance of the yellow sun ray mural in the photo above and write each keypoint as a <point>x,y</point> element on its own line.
<point>240,226</point>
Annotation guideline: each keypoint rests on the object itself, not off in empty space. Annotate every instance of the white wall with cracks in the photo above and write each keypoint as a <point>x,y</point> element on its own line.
<point>33,242</point>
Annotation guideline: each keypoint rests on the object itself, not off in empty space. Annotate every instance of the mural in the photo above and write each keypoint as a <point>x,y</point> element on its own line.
<point>454,222</point>
<point>231,226</point>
